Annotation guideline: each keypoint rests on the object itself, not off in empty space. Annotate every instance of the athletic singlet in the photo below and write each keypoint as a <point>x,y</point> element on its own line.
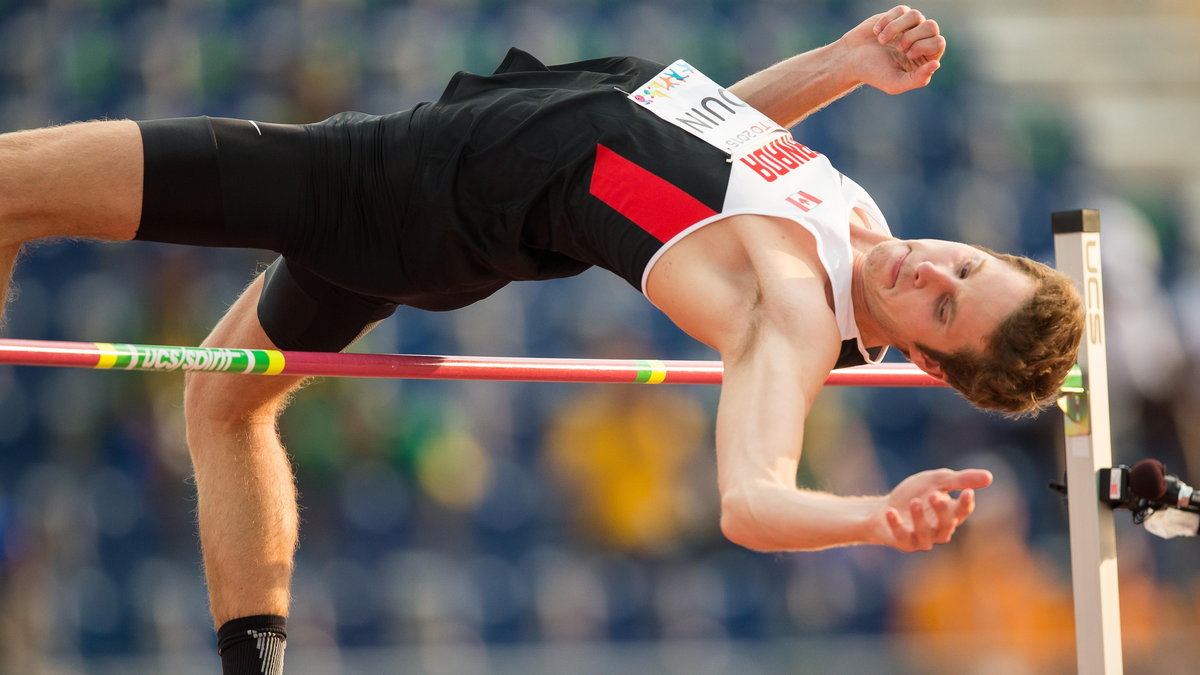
<point>772,175</point>
<point>668,155</point>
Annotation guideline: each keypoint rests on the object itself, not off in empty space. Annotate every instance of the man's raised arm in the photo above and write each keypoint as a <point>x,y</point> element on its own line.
<point>894,52</point>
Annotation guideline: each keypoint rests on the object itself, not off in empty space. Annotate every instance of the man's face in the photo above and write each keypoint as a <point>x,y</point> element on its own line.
<point>941,294</point>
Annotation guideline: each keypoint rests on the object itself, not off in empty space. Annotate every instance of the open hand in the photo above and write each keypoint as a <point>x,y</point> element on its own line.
<point>920,512</point>
<point>896,51</point>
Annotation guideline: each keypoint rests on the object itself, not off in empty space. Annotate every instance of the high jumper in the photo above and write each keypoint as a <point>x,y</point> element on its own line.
<point>748,240</point>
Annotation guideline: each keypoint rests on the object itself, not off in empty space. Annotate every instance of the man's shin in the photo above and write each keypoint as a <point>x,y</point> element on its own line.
<point>248,519</point>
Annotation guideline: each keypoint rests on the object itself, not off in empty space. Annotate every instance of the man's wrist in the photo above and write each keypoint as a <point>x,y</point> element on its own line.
<point>840,55</point>
<point>868,530</point>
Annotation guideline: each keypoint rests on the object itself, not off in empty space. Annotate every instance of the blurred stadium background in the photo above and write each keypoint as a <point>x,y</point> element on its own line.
<point>528,528</point>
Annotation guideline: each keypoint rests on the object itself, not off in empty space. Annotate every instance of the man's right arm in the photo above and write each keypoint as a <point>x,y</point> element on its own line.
<point>895,52</point>
<point>770,381</point>
<point>752,289</point>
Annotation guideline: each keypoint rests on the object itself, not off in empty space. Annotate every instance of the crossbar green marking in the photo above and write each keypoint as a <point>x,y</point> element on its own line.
<point>650,372</point>
<point>201,359</point>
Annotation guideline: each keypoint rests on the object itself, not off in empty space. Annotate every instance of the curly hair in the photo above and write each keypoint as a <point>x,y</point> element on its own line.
<point>1028,356</point>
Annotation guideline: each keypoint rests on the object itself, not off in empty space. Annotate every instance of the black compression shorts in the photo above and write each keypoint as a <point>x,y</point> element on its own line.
<point>236,183</point>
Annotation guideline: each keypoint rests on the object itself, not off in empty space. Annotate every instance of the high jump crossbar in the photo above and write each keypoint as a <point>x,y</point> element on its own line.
<point>162,358</point>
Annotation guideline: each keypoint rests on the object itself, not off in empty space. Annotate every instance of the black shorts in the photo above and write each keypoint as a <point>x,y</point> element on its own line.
<point>293,189</point>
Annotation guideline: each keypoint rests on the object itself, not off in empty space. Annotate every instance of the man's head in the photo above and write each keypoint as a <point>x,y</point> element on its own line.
<point>1029,354</point>
<point>1003,330</point>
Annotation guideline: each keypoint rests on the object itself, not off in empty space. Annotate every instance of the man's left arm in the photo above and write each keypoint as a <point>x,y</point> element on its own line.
<point>895,52</point>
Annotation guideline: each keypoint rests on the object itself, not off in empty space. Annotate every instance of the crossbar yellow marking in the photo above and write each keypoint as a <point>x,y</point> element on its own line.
<point>276,362</point>
<point>108,355</point>
<point>658,371</point>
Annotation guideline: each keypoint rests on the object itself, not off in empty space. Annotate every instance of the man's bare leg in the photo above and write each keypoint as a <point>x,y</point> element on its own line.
<point>78,180</point>
<point>85,180</point>
<point>247,497</point>
<point>8,260</point>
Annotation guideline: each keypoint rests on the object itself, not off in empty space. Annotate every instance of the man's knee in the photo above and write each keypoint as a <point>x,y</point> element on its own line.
<point>225,403</point>
<point>207,402</point>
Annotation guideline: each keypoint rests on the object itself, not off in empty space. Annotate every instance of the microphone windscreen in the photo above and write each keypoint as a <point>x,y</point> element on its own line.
<point>1147,480</point>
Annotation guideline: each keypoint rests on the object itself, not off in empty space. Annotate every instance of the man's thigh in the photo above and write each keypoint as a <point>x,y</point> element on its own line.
<point>76,180</point>
<point>226,183</point>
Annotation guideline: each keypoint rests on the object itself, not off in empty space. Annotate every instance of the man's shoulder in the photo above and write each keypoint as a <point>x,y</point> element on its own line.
<point>764,249</point>
<point>741,270</point>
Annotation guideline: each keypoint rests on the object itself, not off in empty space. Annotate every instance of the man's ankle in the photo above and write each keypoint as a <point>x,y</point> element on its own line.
<point>252,645</point>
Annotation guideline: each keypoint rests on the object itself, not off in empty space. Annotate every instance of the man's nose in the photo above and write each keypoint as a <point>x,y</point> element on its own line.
<point>930,274</point>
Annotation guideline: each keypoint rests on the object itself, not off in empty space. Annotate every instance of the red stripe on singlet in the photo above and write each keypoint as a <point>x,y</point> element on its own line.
<point>652,203</point>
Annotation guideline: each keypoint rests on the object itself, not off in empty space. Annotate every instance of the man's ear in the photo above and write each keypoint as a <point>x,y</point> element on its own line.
<point>926,363</point>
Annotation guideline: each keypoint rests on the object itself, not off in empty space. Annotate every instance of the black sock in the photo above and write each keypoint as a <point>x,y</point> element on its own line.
<point>252,645</point>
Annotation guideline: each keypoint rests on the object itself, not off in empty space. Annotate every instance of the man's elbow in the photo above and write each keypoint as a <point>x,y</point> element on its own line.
<point>739,524</point>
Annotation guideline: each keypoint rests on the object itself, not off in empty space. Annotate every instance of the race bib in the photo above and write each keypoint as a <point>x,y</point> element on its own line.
<point>687,98</point>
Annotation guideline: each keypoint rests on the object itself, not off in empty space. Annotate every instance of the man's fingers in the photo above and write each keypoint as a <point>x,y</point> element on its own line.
<point>966,505</point>
<point>900,534</point>
<point>948,480</point>
<point>893,28</point>
<point>925,30</point>
<point>921,76</point>
<point>925,48</point>
<point>933,515</point>
<point>922,537</point>
<point>947,521</point>
<point>889,16</point>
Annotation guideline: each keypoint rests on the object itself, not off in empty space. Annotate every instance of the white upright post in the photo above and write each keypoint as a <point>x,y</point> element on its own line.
<point>1089,448</point>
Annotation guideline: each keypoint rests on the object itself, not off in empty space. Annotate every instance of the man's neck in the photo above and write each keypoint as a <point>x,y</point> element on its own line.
<point>868,329</point>
<point>862,239</point>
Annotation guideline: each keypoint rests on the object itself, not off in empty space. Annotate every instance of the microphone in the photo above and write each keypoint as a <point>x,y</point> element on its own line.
<point>1149,480</point>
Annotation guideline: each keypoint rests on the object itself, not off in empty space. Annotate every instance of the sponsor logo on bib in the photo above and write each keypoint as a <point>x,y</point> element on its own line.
<point>688,99</point>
